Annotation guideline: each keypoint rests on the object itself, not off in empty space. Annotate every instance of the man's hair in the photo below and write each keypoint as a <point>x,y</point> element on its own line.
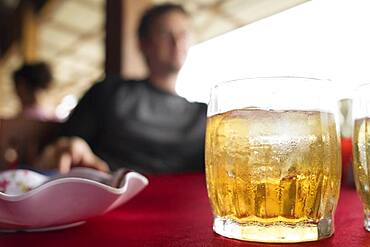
<point>153,13</point>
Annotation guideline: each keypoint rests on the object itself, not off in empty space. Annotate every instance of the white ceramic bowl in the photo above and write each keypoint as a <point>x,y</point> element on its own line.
<point>32,202</point>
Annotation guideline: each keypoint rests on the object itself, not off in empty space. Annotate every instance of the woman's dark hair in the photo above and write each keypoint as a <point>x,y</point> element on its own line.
<point>155,12</point>
<point>34,75</point>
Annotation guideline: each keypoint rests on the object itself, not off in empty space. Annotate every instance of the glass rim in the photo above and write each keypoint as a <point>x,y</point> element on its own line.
<point>361,101</point>
<point>273,93</point>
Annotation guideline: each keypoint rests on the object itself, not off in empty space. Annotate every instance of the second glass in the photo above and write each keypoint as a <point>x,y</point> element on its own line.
<point>361,148</point>
<point>272,159</point>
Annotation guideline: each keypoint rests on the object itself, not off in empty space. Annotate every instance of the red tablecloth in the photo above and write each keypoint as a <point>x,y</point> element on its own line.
<point>174,211</point>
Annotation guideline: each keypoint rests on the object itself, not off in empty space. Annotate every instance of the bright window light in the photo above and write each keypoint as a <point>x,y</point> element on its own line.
<point>321,38</point>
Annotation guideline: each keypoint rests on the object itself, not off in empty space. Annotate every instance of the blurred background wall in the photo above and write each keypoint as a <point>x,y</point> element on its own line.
<point>83,40</point>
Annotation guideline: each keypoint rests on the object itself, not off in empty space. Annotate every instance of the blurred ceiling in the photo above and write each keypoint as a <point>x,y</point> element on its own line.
<point>214,17</point>
<point>68,19</point>
<point>71,38</point>
<point>71,32</point>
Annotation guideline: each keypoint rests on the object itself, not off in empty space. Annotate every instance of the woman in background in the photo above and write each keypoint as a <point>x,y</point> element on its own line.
<point>29,80</point>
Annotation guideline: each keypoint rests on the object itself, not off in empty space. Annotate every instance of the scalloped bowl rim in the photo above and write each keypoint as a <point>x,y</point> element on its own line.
<point>61,181</point>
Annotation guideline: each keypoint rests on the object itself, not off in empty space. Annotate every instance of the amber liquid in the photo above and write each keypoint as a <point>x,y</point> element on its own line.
<point>273,170</point>
<point>361,164</point>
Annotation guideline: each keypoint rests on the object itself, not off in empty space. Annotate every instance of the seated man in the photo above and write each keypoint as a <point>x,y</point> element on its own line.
<point>142,125</point>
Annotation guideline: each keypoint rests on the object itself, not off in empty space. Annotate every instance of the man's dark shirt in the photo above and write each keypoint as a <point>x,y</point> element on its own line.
<point>136,125</point>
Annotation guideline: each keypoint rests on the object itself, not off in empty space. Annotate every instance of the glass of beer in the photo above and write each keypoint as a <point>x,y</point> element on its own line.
<point>272,159</point>
<point>361,148</point>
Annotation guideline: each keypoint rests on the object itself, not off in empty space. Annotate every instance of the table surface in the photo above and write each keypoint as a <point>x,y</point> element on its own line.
<point>174,211</point>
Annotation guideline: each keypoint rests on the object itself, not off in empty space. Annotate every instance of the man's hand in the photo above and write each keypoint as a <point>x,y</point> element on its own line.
<point>68,152</point>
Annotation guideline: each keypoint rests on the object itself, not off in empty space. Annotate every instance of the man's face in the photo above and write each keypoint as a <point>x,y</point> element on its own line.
<point>168,42</point>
